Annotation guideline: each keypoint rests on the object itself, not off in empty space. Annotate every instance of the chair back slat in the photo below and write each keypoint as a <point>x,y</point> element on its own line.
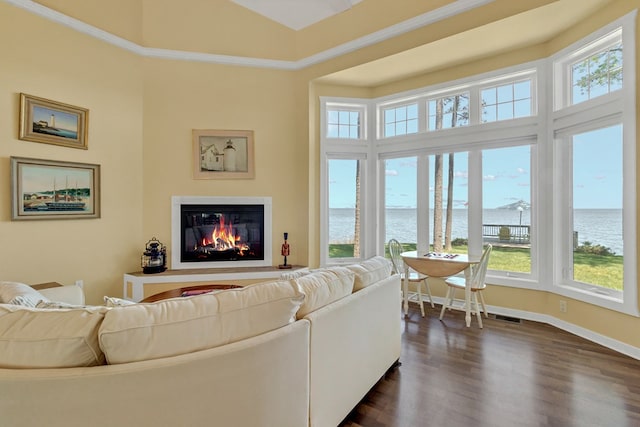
<point>480,271</point>
<point>395,249</point>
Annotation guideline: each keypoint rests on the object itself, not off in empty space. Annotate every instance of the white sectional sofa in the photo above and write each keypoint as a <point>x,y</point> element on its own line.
<point>298,352</point>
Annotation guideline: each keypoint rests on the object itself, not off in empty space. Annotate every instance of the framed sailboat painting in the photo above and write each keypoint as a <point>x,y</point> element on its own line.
<point>48,189</point>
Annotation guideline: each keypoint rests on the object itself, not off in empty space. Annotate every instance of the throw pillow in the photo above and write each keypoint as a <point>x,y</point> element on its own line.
<point>116,302</point>
<point>64,305</point>
<point>20,294</point>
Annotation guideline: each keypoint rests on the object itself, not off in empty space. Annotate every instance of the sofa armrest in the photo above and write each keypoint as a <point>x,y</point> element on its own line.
<point>71,294</point>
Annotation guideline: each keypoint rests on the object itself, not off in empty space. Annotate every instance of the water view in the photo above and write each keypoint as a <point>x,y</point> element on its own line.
<point>598,226</point>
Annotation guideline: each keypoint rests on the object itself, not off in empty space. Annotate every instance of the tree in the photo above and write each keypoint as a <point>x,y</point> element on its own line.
<point>449,105</point>
<point>437,190</point>
<point>599,70</point>
<point>449,220</point>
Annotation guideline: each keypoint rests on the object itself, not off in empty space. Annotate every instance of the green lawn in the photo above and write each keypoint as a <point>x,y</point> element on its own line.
<point>603,270</point>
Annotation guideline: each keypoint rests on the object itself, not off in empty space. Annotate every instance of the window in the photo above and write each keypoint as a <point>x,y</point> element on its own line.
<point>401,201</point>
<point>344,123</point>
<point>449,111</point>
<point>593,237</point>
<point>448,216</point>
<point>506,203</point>
<point>597,74</point>
<point>401,120</point>
<point>594,167</point>
<point>505,102</point>
<point>554,192</point>
<point>344,208</point>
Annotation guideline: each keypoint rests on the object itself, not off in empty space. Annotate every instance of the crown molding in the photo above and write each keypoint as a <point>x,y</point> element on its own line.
<point>444,12</point>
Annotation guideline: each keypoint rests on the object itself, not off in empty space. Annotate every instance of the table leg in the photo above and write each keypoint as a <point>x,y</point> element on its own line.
<point>405,290</point>
<point>467,296</point>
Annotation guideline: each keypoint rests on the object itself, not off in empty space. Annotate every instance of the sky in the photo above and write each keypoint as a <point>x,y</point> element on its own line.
<point>506,176</point>
<point>63,120</point>
<point>36,178</point>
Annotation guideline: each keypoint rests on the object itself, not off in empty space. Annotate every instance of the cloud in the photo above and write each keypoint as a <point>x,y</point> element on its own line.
<point>409,164</point>
<point>391,172</point>
<point>521,170</point>
<point>523,184</point>
<point>600,177</point>
<point>489,178</point>
<point>461,174</point>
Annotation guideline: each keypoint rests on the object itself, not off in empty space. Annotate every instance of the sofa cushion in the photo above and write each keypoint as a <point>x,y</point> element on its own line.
<point>187,324</point>
<point>370,271</point>
<point>324,287</point>
<point>20,294</point>
<point>42,338</point>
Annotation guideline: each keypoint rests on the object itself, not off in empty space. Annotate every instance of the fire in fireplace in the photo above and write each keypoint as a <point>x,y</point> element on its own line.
<point>221,232</point>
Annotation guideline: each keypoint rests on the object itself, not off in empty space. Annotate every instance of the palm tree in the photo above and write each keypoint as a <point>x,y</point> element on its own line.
<point>449,220</point>
<point>437,191</point>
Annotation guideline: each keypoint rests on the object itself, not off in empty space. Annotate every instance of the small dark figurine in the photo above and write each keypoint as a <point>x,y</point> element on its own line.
<point>285,252</point>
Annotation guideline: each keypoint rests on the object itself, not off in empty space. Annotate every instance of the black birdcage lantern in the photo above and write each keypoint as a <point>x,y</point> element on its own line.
<point>154,258</point>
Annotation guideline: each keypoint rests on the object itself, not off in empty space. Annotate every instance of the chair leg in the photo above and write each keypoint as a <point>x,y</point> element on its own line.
<point>428,289</point>
<point>484,308</point>
<point>448,299</point>
<point>476,308</point>
<point>419,293</point>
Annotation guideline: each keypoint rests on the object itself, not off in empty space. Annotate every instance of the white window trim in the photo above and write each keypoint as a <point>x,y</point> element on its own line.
<point>346,104</point>
<point>566,120</point>
<point>547,122</point>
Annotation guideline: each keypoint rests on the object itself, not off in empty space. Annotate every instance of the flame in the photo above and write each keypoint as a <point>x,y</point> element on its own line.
<point>223,238</point>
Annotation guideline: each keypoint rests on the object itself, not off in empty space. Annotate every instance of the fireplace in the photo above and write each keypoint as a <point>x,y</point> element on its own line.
<point>210,232</point>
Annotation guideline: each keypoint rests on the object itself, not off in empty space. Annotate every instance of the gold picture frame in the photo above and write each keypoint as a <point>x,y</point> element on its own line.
<point>48,189</point>
<point>52,122</point>
<point>223,154</point>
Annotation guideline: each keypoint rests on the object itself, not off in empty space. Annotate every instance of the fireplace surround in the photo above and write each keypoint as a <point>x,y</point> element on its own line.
<point>220,232</point>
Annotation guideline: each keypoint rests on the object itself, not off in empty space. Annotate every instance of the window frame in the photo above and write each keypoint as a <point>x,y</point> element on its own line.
<point>539,130</point>
<point>345,106</point>
<point>567,120</point>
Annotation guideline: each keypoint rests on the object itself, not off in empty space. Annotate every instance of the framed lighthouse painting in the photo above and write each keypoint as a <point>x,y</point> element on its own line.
<point>52,122</point>
<point>223,154</point>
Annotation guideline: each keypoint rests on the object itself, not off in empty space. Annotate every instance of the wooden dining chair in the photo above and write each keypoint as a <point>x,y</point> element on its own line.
<point>478,284</point>
<point>416,279</point>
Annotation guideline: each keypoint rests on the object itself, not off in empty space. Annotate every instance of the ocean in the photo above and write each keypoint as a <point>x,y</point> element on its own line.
<point>598,226</point>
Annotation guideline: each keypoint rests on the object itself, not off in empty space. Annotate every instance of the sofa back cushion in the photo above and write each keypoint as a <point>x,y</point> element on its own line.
<point>370,271</point>
<point>323,287</point>
<point>42,338</point>
<point>187,324</point>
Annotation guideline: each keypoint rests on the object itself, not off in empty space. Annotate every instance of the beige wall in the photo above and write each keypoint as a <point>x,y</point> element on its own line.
<point>50,61</point>
<point>181,96</point>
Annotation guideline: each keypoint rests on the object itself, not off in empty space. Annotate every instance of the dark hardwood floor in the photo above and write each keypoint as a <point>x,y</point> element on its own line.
<point>507,374</point>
